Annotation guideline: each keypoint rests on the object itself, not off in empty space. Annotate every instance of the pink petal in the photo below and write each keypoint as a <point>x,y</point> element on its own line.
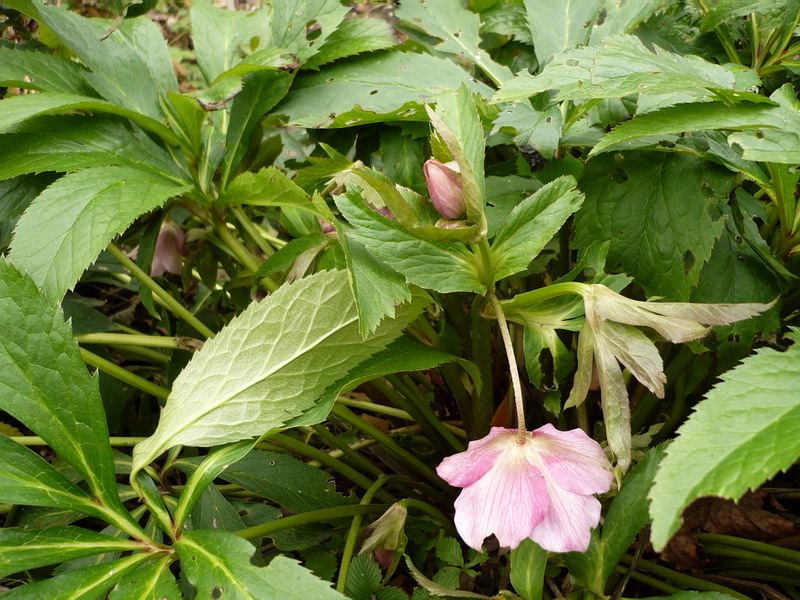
<point>574,460</point>
<point>509,501</point>
<point>465,468</point>
<point>568,523</point>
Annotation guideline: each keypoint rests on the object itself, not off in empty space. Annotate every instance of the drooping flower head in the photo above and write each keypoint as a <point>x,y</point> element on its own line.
<point>388,535</point>
<point>444,186</point>
<point>539,486</point>
<point>170,246</point>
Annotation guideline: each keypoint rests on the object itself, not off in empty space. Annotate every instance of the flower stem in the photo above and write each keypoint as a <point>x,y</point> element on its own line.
<point>124,375</point>
<point>312,516</point>
<point>146,341</point>
<point>33,440</point>
<point>512,364</point>
<point>170,302</point>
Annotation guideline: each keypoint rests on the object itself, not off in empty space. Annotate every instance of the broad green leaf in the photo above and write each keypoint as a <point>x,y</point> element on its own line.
<point>67,143</point>
<point>621,16</point>
<point>621,66</point>
<point>21,549</point>
<point>377,289</point>
<point>286,256</point>
<point>730,443</point>
<point>532,224</point>
<point>458,30</point>
<point>560,27</point>
<point>46,385</point>
<point>261,92</point>
<point>269,364</point>
<point>217,563</point>
<point>26,478</point>
<point>536,124</point>
<point>43,72</point>
<point>217,35</point>
<point>89,583</point>
<point>353,36</point>
<point>17,109</point>
<point>288,482</point>
<point>131,66</point>
<point>776,12</point>
<point>152,580</point>
<point>403,156</point>
<point>442,266</point>
<point>528,562</point>
<point>535,341</point>
<point>390,86</point>
<point>402,355</point>
<point>502,195</point>
<point>303,26</point>
<point>654,209</point>
<point>458,125</point>
<point>73,220</point>
<point>16,195</point>
<point>269,187</point>
<point>626,516</point>
<point>209,469</point>
<point>363,578</point>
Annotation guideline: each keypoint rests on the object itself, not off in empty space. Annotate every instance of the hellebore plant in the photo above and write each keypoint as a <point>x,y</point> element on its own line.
<point>444,186</point>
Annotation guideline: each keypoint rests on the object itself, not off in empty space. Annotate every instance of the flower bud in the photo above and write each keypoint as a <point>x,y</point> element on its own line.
<point>387,534</point>
<point>170,246</point>
<point>444,186</point>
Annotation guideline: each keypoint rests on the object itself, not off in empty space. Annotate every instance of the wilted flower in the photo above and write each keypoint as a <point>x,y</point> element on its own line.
<point>444,186</point>
<point>170,246</point>
<point>387,535</point>
<point>538,486</point>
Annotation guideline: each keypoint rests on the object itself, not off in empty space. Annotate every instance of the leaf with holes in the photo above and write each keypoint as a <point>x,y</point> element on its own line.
<point>353,36</point>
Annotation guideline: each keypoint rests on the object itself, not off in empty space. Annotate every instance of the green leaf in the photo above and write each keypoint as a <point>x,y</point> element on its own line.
<point>458,30</point>
<point>256,373</point>
<point>449,551</point>
<point>538,126</point>
<point>67,226</point>
<point>303,26</point>
<point>535,341</point>
<point>442,266</point>
<point>363,578</point>
<point>438,590</point>
<point>560,27</point>
<point>775,12</point>
<point>353,36</point>
<point>621,66</point>
<point>217,35</point>
<point>285,257</point>
<point>22,549</point>
<point>43,72</point>
<point>17,109</point>
<point>131,66</point>
<point>402,355</point>
<point>391,86</point>
<point>88,583</point>
<point>626,516</point>
<point>532,224</point>
<point>68,143</point>
<point>217,563</point>
<point>151,580</point>
<point>654,209</point>
<point>47,387</point>
<point>621,16</point>
<point>730,443</point>
<point>528,562</point>
<point>269,187</point>
<point>16,195</point>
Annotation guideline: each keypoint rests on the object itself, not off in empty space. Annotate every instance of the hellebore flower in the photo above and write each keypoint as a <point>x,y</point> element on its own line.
<point>388,535</point>
<point>170,246</point>
<point>539,486</point>
<point>444,186</point>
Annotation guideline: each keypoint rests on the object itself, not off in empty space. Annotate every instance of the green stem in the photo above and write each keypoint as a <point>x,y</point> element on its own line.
<point>431,511</point>
<point>401,400</point>
<point>32,440</point>
<point>487,265</point>
<point>252,231</point>
<point>418,400</point>
<point>512,365</point>
<point>170,302</point>
<point>752,557</point>
<point>389,411</point>
<point>243,255</point>
<point>147,341</point>
<point>388,443</point>
<point>359,461</point>
<point>140,353</point>
<point>352,534</point>
<point>477,414</point>
<point>313,516</point>
<point>791,556</point>
<point>123,374</point>
<point>651,581</point>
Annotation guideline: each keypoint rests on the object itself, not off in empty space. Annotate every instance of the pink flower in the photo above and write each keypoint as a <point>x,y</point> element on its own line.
<point>444,186</point>
<point>540,488</point>
<point>170,246</point>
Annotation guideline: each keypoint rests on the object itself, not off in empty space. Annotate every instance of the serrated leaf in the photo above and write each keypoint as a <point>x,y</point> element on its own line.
<point>627,515</point>
<point>560,27</point>
<point>303,26</point>
<point>775,12</point>
<point>448,550</point>
<point>22,549</point>
<point>458,30</point>
<point>16,195</point>
<point>380,87</point>
<point>89,583</point>
<point>539,127</point>
<point>442,266</point>
<point>730,443</point>
<point>73,220</point>
<point>131,66</point>
<point>269,365</point>
<point>269,187</point>
<point>217,35</point>
<point>286,256</point>
<point>654,209</point>
<point>532,224</point>
<point>353,36</point>
<point>537,339</point>
<point>217,563</point>
<point>435,589</point>
<point>151,580</point>
<point>402,355</point>
<point>528,562</point>
<point>42,72</point>
<point>621,16</point>
<point>363,577</point>
<point>621,66</point>
<point>61,404</point>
